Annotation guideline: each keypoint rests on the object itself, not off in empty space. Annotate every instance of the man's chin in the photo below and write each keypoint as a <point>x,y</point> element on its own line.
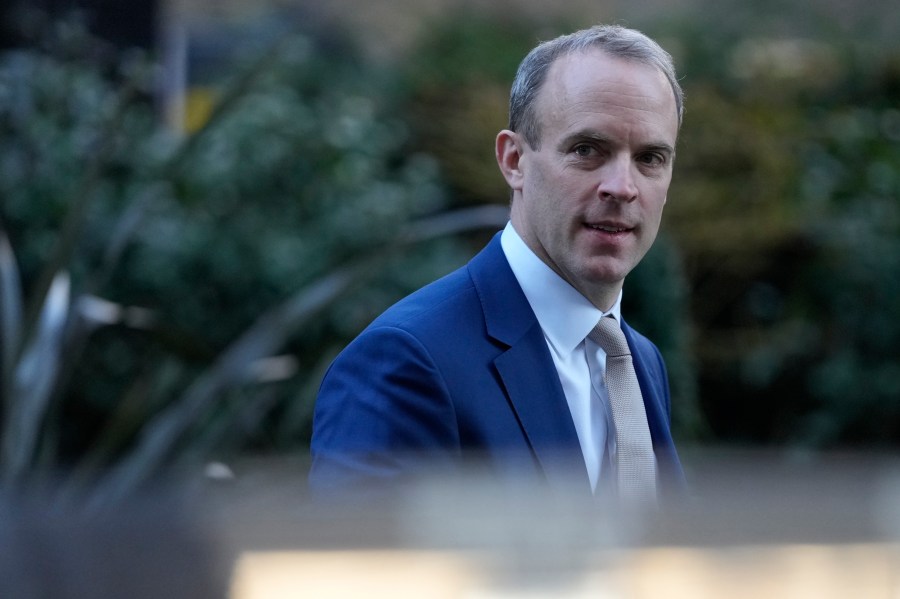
<point>610,274</point>
<point>601,287</point>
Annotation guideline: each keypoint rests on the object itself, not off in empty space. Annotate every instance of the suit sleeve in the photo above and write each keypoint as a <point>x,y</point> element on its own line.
<point>382,413</point>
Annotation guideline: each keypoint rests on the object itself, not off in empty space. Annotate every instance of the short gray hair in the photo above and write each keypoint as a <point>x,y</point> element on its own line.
<point>615,40</point>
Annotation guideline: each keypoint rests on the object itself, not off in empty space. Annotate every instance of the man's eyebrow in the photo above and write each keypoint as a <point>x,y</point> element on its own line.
<point>660,147</point>
<point>580,136</point>
<point>599,138</point>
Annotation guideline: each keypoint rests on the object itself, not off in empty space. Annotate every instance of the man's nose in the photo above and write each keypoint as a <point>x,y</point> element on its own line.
<point>617,180</point>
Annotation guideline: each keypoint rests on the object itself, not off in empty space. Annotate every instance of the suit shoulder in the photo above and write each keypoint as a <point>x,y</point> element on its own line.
<point>444,300</point>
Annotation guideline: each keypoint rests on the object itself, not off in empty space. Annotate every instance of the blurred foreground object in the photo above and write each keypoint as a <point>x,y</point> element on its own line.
<point>760,525</point>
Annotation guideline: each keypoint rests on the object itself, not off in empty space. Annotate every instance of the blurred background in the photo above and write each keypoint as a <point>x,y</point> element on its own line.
<point>202,202</point>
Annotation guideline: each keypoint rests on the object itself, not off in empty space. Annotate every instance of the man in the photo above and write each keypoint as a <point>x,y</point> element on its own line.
<point>498,359</point>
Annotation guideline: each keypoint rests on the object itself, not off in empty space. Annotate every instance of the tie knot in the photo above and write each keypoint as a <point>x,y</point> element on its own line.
<point>608,334</point>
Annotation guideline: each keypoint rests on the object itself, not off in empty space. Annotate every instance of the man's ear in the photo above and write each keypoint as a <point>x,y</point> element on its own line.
<point>509,153</point>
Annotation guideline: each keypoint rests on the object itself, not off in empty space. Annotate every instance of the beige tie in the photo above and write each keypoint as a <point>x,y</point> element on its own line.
<point>635,462</point>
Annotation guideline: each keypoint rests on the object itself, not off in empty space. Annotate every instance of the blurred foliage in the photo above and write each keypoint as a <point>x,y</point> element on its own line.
<point>458,99</point>
<point>194,258</point>
<point>786,205</point>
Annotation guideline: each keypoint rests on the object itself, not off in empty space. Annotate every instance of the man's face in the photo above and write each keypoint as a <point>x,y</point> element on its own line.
<point>590,200</point>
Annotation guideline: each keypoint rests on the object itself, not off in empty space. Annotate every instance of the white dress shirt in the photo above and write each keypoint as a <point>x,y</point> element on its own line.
<point>566,317</point>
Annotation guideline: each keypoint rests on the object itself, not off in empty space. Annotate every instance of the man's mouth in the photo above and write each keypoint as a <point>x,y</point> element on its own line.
<point>609,228</point>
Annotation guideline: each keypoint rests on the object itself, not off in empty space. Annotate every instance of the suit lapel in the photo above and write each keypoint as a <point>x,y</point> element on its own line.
<point>655,391</point>
<point>525,367</point>
<point>655,398</point>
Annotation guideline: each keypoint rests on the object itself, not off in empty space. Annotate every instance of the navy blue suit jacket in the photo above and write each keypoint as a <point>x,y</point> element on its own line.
<point>462,367</point>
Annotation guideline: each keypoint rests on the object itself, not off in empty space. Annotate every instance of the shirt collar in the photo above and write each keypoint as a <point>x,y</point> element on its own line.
<point>565,316</point>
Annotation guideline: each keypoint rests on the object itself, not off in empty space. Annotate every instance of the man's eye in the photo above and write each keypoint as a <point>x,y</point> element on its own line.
<point>652,159</point>
<point>583,150</point>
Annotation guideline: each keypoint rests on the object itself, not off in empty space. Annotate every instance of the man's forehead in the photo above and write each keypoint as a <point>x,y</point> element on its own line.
<point>596,65</point>
<point>588,72</point>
